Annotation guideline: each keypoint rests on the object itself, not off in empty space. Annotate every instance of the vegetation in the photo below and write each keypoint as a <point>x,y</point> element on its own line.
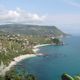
<point>13,75</point>
<point>56,41</point>
<point>65,76</point>
<point>31,29</point>
<point>13,45</point>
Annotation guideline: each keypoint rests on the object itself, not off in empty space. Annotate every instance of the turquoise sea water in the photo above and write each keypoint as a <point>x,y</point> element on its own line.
<point>58,59</point>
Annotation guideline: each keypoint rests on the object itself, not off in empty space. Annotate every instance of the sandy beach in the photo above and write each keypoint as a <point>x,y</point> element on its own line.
<point>41,45</point>
<point>22,57</point>
<point>36,48</point>
<point>15,61</point>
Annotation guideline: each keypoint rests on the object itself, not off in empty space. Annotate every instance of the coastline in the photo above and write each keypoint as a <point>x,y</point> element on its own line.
<point>36,48</point>
<point>41,45</point>
<point>15,61</point>
<point>22,57</point>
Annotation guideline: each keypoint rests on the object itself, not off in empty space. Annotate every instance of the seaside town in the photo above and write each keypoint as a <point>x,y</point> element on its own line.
<point>16,47</point>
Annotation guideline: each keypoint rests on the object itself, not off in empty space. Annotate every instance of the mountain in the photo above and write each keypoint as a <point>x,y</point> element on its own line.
<point>31,29</point>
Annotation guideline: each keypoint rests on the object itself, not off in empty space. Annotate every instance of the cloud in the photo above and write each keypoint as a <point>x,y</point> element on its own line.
<point>19,15</point>
<point>22,16</point>
<point>73,3</point>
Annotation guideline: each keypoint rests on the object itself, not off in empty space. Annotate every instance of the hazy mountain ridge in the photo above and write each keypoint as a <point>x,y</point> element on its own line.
<point>31,29</point>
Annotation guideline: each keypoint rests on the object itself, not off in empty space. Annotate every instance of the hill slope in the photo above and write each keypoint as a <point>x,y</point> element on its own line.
<point>31,29</point>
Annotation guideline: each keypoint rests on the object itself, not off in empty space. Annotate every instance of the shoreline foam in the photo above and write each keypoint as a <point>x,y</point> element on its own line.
<point>36,48</point>
<point>22,57</point>
<point>41,45</point>
<point>15,61</point>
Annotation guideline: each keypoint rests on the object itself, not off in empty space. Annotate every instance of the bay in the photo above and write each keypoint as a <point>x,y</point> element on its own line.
<point>58,60</point>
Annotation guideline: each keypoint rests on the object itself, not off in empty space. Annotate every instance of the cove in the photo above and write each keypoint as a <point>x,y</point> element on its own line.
<point>58,60</point>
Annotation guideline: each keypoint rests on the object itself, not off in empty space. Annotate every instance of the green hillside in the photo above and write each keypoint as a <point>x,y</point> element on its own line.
<point>31,29</point>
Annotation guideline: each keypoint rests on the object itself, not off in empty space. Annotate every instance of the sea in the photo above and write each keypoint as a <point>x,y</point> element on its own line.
<point>55,61</point>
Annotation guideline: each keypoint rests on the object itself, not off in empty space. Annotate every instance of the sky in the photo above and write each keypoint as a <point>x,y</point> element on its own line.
<point>65,14</point>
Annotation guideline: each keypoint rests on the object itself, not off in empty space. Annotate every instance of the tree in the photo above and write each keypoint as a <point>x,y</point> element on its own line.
<point>13,75</point>
<point>30,77</point>
<point>66,77</point>
<point>56,41</point>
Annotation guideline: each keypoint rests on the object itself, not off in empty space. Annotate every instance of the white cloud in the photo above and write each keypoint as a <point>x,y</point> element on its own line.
<point>13,13</point>
<point>19,15</point>
<point>22,16</point>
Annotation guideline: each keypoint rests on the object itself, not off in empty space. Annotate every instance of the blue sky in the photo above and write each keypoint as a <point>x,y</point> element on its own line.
<point>63,13</point>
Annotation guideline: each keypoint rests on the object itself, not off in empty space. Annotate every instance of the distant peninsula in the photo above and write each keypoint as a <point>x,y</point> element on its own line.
<point>28,29</point>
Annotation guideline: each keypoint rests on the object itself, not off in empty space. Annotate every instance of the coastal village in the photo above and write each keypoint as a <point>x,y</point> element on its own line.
<point>15,48</point>
<point>13,45</point>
